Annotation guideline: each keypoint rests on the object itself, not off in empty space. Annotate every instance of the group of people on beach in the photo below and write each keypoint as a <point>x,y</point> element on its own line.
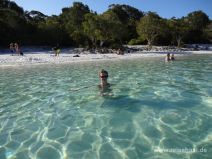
<point>15,49</point>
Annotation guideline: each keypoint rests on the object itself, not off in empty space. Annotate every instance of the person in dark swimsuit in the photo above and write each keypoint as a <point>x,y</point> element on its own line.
<point>17,48</point>
<point>168,58</point>
<point>172,57</point>
<point>12,48</point>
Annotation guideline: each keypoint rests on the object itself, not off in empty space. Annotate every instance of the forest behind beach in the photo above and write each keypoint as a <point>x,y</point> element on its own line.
<point>119,25</point>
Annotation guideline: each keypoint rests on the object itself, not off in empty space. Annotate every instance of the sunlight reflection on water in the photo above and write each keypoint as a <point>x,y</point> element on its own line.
<point>56,111</point>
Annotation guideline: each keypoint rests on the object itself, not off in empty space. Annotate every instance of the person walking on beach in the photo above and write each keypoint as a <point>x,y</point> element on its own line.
<point>12,48</point>
<point>57,50</point>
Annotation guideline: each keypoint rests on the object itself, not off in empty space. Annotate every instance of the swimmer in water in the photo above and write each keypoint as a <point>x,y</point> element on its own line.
<point>103,75</point>
<point>104,85</point>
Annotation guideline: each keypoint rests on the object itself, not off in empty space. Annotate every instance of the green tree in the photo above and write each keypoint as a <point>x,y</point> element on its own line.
<point>208,32</point>
<point>11,5</point>
<point>114,30</point>
<point>102,29</point>
<point>51,32</point>
<point>72,19</point>
<point>13,25</point>
<point>82,27</point>
<point>179,29</point>
<point>128,16</point>
<point>149,27</point>
<point>197,20</point>
<point>92,28</point>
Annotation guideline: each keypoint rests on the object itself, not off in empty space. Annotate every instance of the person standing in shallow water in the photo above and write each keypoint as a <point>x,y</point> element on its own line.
<point>12,48</point>
<point>172,57</point>
<point>104,86</point>
<point>103,75</point>
<point>17,48</point>
<point>168,58</point>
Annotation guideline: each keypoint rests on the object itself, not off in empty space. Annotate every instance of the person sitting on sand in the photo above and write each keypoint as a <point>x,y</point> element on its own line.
<point>103,75</point>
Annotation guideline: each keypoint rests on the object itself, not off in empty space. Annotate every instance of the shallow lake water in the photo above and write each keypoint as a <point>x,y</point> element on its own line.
<point>153,109</point>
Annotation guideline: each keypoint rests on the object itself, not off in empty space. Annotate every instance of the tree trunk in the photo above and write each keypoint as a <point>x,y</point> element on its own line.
<point>179,39</point>
<point>101,43</point>
<point>149,44</point>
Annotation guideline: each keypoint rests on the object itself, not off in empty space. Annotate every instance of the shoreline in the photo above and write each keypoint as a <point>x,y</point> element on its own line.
<point>38,58</point>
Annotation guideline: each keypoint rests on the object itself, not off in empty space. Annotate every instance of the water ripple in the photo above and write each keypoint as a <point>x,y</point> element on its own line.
<point>57,112</point>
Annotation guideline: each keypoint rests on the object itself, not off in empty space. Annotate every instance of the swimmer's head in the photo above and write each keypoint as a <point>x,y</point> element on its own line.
<point>103,74</point>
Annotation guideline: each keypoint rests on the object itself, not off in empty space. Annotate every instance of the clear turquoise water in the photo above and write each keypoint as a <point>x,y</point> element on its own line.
<point>57,112</point>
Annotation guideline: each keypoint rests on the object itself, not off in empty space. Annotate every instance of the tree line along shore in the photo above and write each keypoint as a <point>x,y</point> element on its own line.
<point>120,25</point>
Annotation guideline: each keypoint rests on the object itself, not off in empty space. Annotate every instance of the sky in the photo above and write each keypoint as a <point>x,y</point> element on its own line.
<point>165,8</point>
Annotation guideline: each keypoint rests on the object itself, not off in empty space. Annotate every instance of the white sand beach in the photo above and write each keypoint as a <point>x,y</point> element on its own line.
<point>67,56</point>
